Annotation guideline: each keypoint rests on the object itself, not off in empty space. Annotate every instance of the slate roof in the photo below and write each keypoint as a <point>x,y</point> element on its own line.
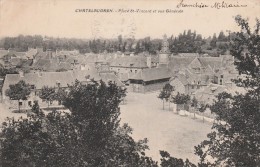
<point>31,53</point>
<point>208,93</point>
<point>151,74</point>
<point>129,61</point>
<point>40,79</point>
<point>180,62</point>
<point>110,76</point>
<point>214,62</point>
<point>182,78</point>
<point>184,62</point>
<point>3,53</point>
<point>188,54</point>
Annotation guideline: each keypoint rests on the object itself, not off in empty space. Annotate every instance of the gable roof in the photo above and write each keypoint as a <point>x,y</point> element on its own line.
<point>129,61</point>
<point>195,63</point>
<point>213,62</point>
<point>151,74</point>
<point>40,79</point>
<point>110,76</point>
<point>31,53</point>
<point>182,78</point>
<point>180,62</point>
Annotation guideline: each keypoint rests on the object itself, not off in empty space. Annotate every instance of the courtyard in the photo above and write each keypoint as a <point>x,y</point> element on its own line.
<point>164,129</point>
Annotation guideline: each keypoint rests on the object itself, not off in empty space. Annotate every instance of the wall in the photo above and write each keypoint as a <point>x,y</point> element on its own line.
<point>13,104</point>
<point>139,88</point>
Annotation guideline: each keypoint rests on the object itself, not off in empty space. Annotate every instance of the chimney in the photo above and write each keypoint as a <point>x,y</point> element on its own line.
<point>149,61</point>
<point>21,73</point>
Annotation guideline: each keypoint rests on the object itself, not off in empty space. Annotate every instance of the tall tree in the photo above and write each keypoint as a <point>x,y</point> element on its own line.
<point>194,105</point>
<point>19,91</point>
<point>180,99</point>
<point>165,93</point>
<point>235,140</point>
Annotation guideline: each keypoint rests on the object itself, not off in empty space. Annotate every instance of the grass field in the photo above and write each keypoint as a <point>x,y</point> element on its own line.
<point>165,130</point>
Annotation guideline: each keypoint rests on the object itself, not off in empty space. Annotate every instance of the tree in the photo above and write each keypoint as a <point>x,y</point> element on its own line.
<point>180,99</point>
<point>48,94</point>
<point>165,93</point>
<point>168,161</point>
<point>202,108</point>
<point>213,41</point>
<point>221,36</point>
<point>235,140</point>
<point>19,91</point>
<point>89,135</point>
<point>194,104</point>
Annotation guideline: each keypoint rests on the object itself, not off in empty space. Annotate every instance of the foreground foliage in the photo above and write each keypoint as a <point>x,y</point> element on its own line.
<point>89,135</point>
<point>235,140</point>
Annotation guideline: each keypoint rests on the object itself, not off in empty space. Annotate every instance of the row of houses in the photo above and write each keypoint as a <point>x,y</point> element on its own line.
<point>37,80</point>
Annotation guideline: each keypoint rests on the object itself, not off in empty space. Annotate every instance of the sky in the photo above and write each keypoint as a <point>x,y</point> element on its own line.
<point>58,18</point>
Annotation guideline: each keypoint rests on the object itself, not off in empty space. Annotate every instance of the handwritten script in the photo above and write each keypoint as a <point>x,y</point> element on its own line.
<point>217,5</point>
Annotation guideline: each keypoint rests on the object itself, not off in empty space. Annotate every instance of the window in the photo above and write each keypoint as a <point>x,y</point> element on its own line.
<point>221,76</point>
<point>32,86</point>
<point>220,81</point>
<point>135,71</point>
<point>131,70</point>
<point>30,103</point>
<point>20,103</point>
<point>58,83</point>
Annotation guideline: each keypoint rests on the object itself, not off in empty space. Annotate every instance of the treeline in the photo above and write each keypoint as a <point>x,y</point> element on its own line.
<point>186,42</point>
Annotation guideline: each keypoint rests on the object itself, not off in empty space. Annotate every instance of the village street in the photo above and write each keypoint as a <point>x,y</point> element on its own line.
<point>164,129</point>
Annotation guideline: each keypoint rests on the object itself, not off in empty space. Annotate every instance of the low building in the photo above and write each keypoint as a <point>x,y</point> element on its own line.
<point>38,80</point>
<point>208,94</point>
<point>150,79</point>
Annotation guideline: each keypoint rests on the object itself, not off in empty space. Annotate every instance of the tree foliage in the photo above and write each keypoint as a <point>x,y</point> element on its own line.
<point>90,134</point>
<point>235,140</point>
<point>180,98</point>
<point>168,161</point>
<point>19,91</point>
<point>48,94</point>
<point>166,92</point>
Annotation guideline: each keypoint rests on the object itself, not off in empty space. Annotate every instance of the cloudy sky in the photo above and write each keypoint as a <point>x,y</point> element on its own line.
<point>58,18</point>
